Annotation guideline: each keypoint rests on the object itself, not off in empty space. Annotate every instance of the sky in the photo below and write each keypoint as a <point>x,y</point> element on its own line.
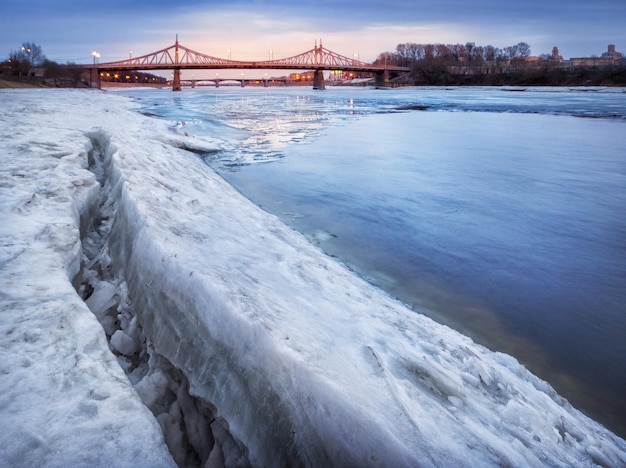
<point>70,30</point>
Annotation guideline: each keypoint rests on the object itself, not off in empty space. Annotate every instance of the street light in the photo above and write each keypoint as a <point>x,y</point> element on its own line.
<point>130,53</point>
<point>228,54</point>
<point>271,54</point>
<point>96,55</point>
<point>28,59</point>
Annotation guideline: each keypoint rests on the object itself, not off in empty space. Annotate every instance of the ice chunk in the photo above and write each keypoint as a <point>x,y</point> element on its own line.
<point>124,343</point>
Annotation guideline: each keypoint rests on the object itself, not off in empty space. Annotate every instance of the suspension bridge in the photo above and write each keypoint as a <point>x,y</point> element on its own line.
<point>178,57</point>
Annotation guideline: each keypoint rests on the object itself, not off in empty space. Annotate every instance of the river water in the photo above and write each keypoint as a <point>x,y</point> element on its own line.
<point>500,212</point>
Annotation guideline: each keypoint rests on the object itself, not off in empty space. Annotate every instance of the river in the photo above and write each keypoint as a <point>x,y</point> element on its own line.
<point>496,211</point>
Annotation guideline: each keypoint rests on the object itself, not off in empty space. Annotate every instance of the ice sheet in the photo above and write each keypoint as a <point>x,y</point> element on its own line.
<point>302,361</point>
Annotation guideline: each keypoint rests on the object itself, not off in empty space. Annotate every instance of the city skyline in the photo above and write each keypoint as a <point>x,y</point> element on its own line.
<point>69,30</point>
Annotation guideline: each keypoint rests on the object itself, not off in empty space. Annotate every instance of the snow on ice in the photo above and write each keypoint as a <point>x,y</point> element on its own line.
<point>246,344</point>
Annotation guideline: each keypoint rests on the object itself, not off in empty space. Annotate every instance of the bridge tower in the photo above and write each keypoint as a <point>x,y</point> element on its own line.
<point>318,76</point>
<point>176,81</point>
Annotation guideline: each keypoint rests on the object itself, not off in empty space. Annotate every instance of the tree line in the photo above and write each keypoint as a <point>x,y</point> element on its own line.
<point>406,55</point>
<point>471,64</point>
<point>30,62</point>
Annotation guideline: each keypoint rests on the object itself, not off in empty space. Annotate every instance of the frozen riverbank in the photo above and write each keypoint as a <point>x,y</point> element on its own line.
<point>64,400</point>
<point>300,361</point>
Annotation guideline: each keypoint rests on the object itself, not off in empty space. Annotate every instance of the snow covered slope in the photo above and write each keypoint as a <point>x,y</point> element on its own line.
<point>64,400</point>
<point>298,360</point>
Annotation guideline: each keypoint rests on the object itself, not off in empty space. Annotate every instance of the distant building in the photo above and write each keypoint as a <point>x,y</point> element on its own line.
<point>610,53</point>
<point>303,76</point>
<point>555,57</point>
<point>540,63</point>
<point>608,58</point>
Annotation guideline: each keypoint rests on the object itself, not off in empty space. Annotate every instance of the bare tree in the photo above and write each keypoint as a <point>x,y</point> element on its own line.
<point>469,46</point>
<point>429,51</point>
<point>444,52</point>
<point>510,52</point>
<point>409,53</point>
<point>523,50</point>
<point>456,53</point>
<point>519,51</point>
<point>476,55</point>
<point>30,55</point>
<point>490,53</point>
<point>387,58</point>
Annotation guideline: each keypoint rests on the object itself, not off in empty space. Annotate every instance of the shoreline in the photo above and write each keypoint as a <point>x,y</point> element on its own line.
<point>6,83</point>
<point>25,82</point>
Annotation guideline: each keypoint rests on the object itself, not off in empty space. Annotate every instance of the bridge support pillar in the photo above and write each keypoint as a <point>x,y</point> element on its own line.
<point>176,82</point>
<point>318,80</point>
<point>94,78</point>
<point>382,79</point>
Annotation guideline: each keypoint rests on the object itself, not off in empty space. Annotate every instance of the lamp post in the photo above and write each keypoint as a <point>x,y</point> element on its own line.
<point>27,51</point>
<point>95,75</point>
<point>130,54</point>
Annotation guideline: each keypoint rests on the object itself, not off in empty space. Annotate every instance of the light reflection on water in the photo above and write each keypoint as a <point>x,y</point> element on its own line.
<point>504,224</point>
